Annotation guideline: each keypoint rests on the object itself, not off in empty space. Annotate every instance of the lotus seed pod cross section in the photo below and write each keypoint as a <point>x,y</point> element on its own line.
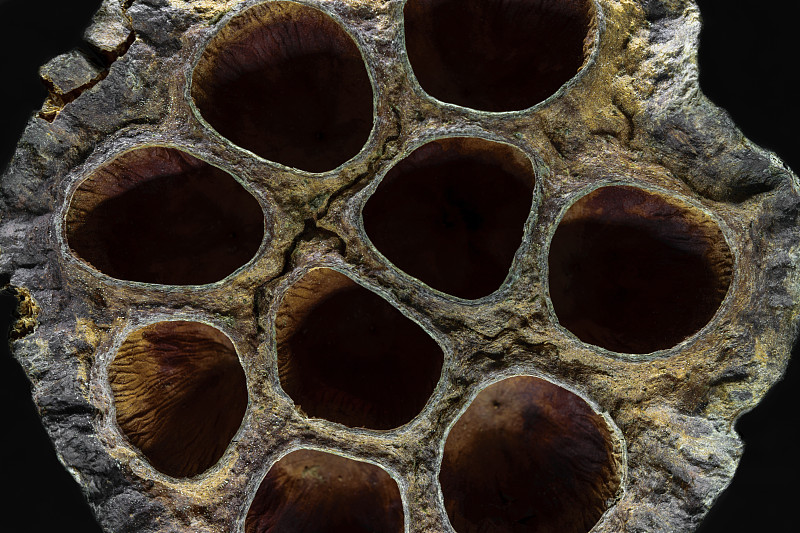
<point>418,266</point>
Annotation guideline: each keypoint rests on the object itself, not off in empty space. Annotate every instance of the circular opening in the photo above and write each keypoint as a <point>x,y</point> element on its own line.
<point>159,215</point>
<point>497,55</point>
<point>452,214</point>
<point>634,271</point>
<point>180,395</point>
<point>346,355</point>
<point>316,492</point>
<point>286,82</point>
<point>526,456</point>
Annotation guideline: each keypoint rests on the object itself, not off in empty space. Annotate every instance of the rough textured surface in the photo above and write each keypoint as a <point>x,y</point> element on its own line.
<point>634,116</point>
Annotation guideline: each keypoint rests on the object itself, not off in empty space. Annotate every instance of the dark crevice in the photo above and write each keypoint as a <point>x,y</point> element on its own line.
<point>310,233</point>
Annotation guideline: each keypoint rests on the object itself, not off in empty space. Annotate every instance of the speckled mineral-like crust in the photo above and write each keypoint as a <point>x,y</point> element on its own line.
<point>633,116</point>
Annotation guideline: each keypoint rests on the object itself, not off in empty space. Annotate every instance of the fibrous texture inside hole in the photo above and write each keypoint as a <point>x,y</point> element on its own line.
<point>497,55</point>
<point>180,394</point>
<point>452,214</point>
<point>636,271</point>
<point>316,492</point>
<point>159,215</point>
<point>286,82</point>
<point>346,355</point>
<point>528,456</point>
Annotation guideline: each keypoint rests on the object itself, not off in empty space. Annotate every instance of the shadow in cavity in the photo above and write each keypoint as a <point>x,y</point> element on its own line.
<point>346,355</point>
<point>316,492</point>
<point>497,55</point>
<point>158,215</point>
<point>286,82</point>
<point>635,272</point>
<point>452,214</point>
<point>526,456</point>
<point>180,395</point>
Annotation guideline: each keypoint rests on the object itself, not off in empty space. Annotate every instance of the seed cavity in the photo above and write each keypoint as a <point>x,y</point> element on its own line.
<point>286,82</point>
<point>346,355</point>
<point>635,271</point>
<point>180,394</point>
<point>311,491</point>
<point>528,455</point>
<point>159,215</point>
<point>497,55</point>
<point>452,214</point>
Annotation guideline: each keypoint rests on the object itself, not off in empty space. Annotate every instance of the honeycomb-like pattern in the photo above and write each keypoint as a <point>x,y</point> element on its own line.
<point>398,267</point>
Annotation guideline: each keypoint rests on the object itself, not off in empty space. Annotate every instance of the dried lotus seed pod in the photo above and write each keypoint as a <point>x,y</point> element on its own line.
<point>421,266</point>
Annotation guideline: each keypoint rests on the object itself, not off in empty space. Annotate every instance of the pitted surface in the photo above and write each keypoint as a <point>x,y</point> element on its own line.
<point>632,116</point>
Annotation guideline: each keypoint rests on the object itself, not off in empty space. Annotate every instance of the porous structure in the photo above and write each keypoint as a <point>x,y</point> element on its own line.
<point>478,266</point>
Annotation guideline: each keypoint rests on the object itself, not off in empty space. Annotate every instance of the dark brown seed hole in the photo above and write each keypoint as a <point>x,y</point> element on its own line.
<point>180,395</point>
<point>346,355</point>
<point>527,456</point>
<point>634,271</point>
<point>497,55</point>
<point>452,214</point>
<point>286,82</point>
<point>158,215</point>
<point>316,492</point>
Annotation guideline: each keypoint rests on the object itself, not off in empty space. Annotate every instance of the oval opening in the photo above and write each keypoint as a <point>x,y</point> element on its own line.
<point>452,214</point>
<point>180,395</point>
<point>308,491</point>
<point>347,355</point>
<point>635,271</point>
<point>496,55</point>
<point>159,215</point>
<point>526,456</point>
<point>286,82</point>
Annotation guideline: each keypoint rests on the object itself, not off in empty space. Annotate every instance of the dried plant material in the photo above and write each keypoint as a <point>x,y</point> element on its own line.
<point>348,356</point>
<point>452,214</point>
<point>309,490</point>
<point>179,394</point>
<point>423,266</point>
<point>528,456</point>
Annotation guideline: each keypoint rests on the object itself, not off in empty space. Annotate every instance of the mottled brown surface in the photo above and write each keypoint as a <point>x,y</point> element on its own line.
<point>309,491</point>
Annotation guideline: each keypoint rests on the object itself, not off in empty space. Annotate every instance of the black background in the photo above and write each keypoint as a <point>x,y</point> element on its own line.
<point>748,65</point>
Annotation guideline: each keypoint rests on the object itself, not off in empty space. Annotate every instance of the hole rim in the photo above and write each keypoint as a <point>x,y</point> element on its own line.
<point>261,473</point>
<point>85,171</point>
<point>722,309</point>
<point>589,63</point>
<point>418,319</point>
<point>132,457</point>
<point>539,171</point>
<point>197,55</point>
<point>617,439</point>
